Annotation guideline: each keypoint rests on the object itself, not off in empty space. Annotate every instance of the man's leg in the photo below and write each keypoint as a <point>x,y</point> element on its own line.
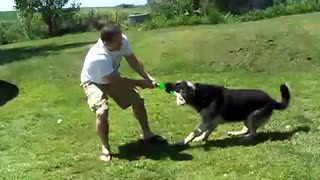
<point>97,101</point>
<point>131,97</point>
<point>102,127</point>
<point>140,113</point>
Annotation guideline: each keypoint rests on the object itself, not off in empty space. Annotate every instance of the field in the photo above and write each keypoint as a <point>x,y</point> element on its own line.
<point>260,54</point>
<point>11,16</point>
<point>8,16</point>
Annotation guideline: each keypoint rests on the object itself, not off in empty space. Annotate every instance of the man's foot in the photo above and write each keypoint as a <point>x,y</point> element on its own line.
<point>156,139</point>
<point>105,157</point>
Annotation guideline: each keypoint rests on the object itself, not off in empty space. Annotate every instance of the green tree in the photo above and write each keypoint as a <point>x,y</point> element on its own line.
<point>52,11</point>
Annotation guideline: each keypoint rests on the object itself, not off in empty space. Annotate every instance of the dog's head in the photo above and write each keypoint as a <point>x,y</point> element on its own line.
<point>185,91</point>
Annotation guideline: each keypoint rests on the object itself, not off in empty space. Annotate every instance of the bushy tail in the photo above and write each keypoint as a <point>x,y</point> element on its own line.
<point>285,94</point>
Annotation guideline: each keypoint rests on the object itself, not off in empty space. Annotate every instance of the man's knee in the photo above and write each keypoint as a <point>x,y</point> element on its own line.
<point>138,103</point>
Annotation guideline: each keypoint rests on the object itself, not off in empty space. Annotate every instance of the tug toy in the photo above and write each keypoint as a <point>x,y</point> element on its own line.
<point>163,86</point>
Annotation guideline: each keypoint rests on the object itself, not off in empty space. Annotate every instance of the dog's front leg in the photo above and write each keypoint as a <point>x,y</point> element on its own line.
<point>208,115</point>
<point>200,129</point>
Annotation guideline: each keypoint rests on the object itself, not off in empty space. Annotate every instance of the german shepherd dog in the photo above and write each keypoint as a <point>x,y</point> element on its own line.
<point>217,104</point>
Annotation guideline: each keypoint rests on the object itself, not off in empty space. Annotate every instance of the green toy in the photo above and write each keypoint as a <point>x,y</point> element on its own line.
<point>163,86</point>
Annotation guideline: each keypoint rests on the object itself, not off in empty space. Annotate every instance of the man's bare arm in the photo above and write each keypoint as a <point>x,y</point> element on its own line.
<point>137,66</point>
<point>123,82</point>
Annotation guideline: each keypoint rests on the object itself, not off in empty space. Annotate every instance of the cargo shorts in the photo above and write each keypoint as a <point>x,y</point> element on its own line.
<point>98,94</point>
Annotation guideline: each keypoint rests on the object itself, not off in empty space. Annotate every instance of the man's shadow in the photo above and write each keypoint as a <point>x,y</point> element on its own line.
<point>8,92</point>
<point>261,137</point>
<point>137,150</point>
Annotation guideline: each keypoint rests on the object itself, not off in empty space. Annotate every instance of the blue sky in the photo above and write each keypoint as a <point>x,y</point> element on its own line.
<point>7,5</point>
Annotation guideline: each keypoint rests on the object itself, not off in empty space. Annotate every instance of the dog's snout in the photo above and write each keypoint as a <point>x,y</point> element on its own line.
<point>169,87</point>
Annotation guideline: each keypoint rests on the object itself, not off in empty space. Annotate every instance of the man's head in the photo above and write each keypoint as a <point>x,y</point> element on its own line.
<point>185,91</point>
<point>111,36</point>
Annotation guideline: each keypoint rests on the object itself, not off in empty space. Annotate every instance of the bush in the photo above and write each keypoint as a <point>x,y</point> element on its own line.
<point>28,28</point>
<point>171,8</point>
<point>10,33</point>
<point>167,13</point>
<point>289,8</point>
<point>173,12</point>
<point>87,20</point>
<point>215,17</point>
<point>163,22</point>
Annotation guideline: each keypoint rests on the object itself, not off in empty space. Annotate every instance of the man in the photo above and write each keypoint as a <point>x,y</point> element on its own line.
<point>100,79</point>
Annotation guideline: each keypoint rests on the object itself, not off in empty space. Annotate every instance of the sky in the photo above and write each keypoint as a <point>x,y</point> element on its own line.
<point>7,5</point>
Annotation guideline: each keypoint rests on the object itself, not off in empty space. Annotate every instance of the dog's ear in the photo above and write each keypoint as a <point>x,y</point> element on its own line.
<point>169,87</point>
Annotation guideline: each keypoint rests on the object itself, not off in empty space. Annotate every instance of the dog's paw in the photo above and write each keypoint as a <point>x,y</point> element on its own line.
<point>237,133</point>
<point>200,138</point>
<point>233,133</point>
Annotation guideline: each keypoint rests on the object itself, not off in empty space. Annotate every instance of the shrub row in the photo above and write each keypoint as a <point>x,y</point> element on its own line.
<point>169,13</point>
<point>212,15</point>
<point>35,28</point>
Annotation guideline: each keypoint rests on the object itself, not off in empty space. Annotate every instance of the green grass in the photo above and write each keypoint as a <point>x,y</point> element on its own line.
<point>259,54</point>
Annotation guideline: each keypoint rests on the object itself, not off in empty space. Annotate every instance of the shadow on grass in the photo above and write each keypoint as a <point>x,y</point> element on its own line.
<point>139,150</point>
<point>262,137</point>
<point>8,92</point>
<point>18,54</point>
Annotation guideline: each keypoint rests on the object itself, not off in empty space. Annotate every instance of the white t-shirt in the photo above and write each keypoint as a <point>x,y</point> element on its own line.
<point>101,62</point>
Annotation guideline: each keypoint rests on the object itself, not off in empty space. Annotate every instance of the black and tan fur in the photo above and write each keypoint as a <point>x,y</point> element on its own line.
<point>217,104</point>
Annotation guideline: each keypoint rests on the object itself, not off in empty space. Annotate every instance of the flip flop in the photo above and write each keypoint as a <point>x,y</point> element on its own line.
<point>105,157</point>
<point>156,139</point>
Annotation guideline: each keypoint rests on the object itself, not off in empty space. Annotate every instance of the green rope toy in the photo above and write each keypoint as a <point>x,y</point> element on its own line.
<point>163,86</point>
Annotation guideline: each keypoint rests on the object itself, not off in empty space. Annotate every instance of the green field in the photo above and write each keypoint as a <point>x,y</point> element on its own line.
<point>11,16</point>
<point>260,54</point>
<point>8,16</point>
<point>140,9</point>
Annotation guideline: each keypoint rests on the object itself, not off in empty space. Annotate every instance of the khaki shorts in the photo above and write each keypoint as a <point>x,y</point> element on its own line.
<point>97,96</point>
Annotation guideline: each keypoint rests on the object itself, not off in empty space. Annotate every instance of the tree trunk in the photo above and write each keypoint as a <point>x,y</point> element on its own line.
<point>47,17</point>
<point>51,30</point>
<point>196,4</point>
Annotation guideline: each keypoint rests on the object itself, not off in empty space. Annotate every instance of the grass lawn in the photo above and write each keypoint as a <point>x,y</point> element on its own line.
<point>260,54</point>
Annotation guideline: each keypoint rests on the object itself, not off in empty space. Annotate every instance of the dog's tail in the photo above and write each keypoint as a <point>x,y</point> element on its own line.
<point>285,98</point>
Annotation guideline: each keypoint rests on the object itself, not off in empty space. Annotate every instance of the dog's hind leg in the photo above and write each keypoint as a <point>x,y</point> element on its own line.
<point>255,120</point>
<point>244,131</point>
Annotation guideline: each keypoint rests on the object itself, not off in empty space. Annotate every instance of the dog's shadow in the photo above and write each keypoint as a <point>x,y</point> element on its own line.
<point>137,150</point>
<point>8,92</point>
<point>261,137</point>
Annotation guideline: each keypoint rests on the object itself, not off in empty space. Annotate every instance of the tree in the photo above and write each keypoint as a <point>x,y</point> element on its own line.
<point>52,11</point>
